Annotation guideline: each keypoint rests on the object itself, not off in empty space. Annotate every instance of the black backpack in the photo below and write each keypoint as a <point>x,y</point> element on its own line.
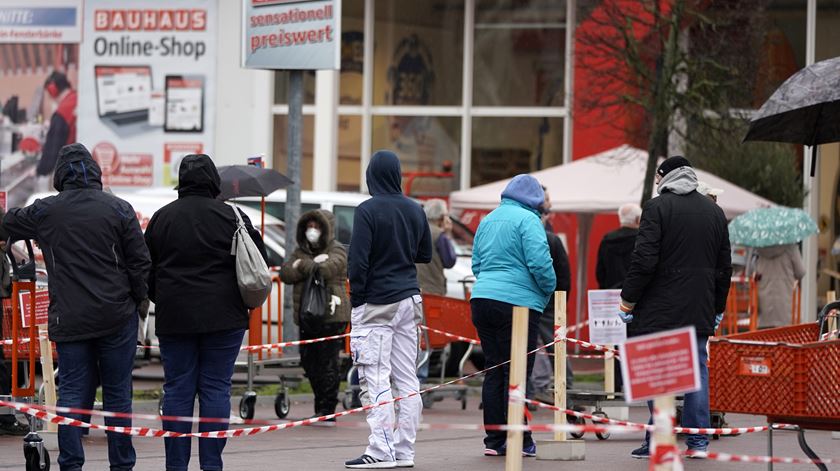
<point>313,301</point>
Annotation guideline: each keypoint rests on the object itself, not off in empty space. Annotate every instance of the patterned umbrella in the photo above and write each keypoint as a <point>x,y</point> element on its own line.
<point>803,110</point>
<point>764,227</point>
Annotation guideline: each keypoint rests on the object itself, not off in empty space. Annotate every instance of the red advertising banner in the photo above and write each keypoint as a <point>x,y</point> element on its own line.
<point>660,364</point>
<point>4,201</point>
<point>123,168</point>
<point>42,307</point>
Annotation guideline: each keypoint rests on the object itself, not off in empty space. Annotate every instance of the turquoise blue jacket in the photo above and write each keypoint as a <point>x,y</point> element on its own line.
<point>510,259</point>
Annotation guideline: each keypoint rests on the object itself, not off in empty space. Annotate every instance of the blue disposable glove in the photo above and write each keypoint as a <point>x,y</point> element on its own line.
<point>718,320</point>
<point>626,317</point>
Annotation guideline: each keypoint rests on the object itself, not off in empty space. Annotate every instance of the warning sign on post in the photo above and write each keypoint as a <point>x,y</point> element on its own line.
<point>42,307</point>
<point>605,327</point>
<point>660,364</point>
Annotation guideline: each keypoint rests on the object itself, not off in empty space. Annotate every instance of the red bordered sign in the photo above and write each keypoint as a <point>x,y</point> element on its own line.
<point>660,364</point>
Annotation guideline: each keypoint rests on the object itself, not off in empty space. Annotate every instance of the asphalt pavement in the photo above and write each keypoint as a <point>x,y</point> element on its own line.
<point>322,448</point>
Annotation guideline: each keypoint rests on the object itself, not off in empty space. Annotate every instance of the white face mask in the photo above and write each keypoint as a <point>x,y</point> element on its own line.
<point>312,235</point>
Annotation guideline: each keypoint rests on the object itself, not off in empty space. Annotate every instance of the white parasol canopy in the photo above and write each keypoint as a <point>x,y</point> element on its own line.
<point>601,184</point>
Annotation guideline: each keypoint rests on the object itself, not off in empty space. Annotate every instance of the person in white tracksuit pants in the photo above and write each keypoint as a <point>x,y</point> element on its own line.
<point>384,345</point>
<point>390,236</point>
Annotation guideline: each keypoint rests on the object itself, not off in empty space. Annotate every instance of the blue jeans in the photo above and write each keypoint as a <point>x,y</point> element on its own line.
<point>202,365</point>
<point>695,412</point>
<point>112,359</point>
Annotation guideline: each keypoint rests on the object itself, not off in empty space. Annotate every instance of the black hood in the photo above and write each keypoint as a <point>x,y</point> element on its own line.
<point>76,169</point>
<point>197,175</point>
<point>383,174</point>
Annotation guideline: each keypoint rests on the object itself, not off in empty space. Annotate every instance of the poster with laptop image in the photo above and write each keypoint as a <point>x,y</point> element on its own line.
<point>123,94</point>
<point>184,103</point>
<point>146,86</point>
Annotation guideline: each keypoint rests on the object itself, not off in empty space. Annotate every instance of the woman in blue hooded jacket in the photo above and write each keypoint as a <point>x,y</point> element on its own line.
<point>512,265</point>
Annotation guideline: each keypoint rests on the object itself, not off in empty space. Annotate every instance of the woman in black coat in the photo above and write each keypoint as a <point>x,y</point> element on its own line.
<point>200,316</point>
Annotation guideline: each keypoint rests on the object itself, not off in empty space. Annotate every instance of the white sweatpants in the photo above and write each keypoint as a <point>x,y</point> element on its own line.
<point>385,348</point>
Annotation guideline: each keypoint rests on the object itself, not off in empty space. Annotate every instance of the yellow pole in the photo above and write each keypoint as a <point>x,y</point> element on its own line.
<point>560,363</point>
<point>518,367</point>
<point>830,297</point>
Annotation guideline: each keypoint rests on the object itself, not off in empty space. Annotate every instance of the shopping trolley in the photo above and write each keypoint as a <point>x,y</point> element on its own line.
<point>24,350</point>
<point>787,374</point>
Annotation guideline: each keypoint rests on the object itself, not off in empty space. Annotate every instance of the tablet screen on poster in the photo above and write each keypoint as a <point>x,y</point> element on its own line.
<point>184,103</point>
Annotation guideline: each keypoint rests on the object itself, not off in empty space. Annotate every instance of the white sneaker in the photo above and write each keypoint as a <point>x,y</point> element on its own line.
<point>405,463</point>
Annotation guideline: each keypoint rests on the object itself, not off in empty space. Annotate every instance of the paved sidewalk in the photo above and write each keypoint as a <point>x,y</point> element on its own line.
<point>327,448</point>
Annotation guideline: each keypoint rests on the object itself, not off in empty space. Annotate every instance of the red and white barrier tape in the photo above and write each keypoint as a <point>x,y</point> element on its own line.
<point>452,336</point>
<point>274,346</point>
<point>157,433</point>
<point>592,346</point>
<point>246,348</point>
<point>41,409</point>
<point>577,356</point>
<point>21,341</point>
<point>729,457</point>
<point>685,430</point>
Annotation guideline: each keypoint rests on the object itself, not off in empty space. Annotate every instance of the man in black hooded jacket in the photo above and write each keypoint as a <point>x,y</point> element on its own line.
<point>390,235</point>
<point>97,264</point>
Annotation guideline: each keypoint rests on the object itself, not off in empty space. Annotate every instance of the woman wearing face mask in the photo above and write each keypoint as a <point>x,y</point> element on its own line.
<point>317,249</point>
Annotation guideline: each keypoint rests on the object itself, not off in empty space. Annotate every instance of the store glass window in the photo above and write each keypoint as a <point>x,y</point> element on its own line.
<point>344,222</point>
<point>281,132</point>
<point>520,48</point>
<point>828,29</point>
<point>281,87</point>
<point>426,144</point>
<point>504,147</point>
<point>418,52</point>
<point>349,171</point>
<point>352,51</point>
<point>784,49</point>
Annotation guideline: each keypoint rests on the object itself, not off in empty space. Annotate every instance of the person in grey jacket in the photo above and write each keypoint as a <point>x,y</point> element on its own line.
<point>778,268</point>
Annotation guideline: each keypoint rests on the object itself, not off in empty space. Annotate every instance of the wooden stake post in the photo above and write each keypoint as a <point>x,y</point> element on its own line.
<point>560,363</point>
<point>609,374</point>
<point>48,372</point>
<point>518,367</point>
<point>561,448</point>
<point>665,455</point>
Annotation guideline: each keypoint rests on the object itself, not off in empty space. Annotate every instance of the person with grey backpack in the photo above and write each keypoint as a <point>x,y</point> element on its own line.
<point>200,301</point>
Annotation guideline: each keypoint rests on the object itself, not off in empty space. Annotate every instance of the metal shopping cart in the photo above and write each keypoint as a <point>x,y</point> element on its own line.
<point>263,329</point>
<point>453,316</point>
<point>24,350</point>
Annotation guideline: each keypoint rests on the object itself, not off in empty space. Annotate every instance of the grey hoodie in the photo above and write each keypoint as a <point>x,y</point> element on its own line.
<point>680,181</point>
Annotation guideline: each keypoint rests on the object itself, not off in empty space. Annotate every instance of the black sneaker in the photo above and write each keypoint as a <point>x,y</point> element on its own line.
<point>16,429</point>
<point>369,462</point>
<point>323,423</point>
<point>641,453</point>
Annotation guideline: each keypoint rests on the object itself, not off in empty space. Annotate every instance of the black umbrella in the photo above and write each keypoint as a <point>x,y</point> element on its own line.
<point>803,110</point>
<point>248,180</point>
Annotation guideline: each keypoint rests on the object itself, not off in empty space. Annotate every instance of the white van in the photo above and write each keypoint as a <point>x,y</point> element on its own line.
<point>145,205</point>
<point>342,204</point>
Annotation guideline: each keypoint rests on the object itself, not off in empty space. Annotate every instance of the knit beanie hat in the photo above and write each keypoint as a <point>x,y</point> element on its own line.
<point>672,163</point>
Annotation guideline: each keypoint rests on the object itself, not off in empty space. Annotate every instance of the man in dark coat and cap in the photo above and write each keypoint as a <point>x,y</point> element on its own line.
<point>679,276</point>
